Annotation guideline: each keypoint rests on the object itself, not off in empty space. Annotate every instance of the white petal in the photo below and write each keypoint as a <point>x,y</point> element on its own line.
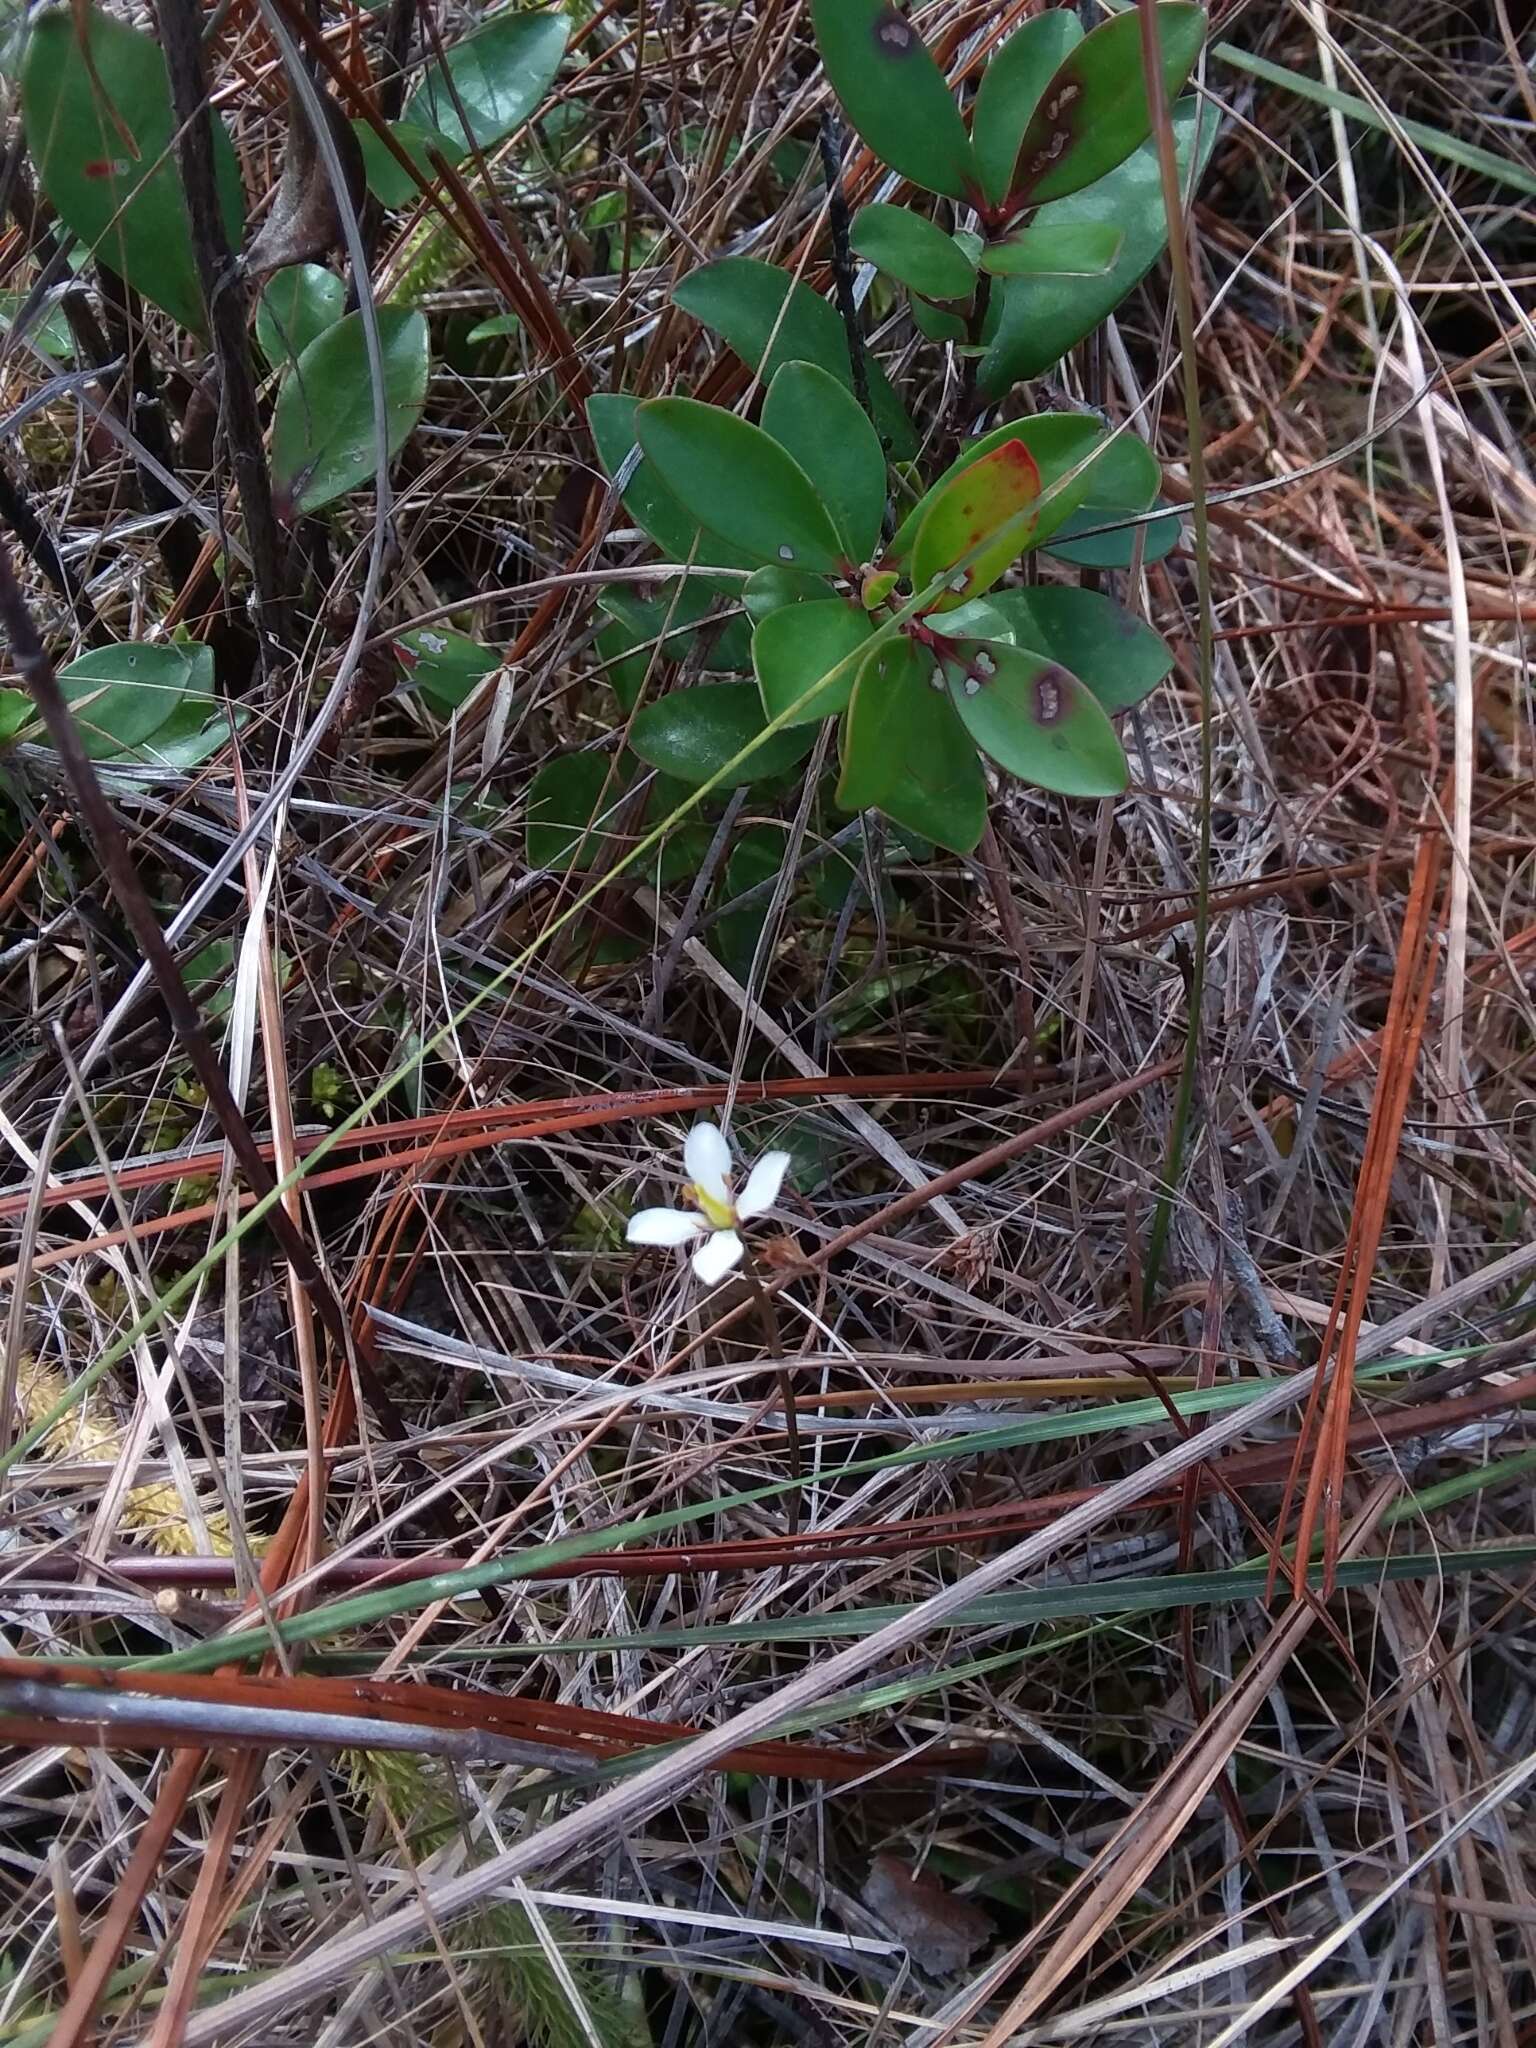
<point>664,1226</point>
<point>715,1257</point>
<point>763,1184</point>
<point>708,1160</point>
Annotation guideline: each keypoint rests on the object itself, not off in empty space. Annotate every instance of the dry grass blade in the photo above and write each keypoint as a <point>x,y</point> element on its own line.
<point>1072,1578</point>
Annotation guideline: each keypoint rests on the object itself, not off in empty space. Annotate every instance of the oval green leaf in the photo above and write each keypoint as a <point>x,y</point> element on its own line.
<point>1088,249</point>
<point>1083,541</point>
<point>1095,638</point>
<point>121,695</point>
<point>737,481</point>
<point>913,250</point>
<point>904,752</point>
<point>894,94</point>
<point>693,734</point>
<point>1034,718</point>
<point>1039,319</point>
<point>322,426</point>
<point>565,804</point>
<point>1010,91</point>
<point>296,307</point>
<point>445,666</point>
<point>823,426</point>
<point>15,710</point>
<point>982,503</point>
<point>769,590</point>
<point>645,631</point>
<point>101,134</point>
<point>491,81</point>
<point>1063,447</point>
<point>611,416</point>
<point>1094,112</point>
<point>794,648</point>
<point>770,318</point>
<point>387,179</point>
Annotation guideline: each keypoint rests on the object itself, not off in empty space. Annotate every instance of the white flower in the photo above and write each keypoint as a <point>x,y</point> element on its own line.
<point>707,1163</point>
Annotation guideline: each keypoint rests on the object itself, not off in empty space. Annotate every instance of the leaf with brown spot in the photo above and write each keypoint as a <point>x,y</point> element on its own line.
<point>940,1931</point>
<point>1094,112</point>
<point>894,94</point>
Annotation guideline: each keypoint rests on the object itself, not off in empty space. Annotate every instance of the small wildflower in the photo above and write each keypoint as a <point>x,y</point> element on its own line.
<point>707,1164</point>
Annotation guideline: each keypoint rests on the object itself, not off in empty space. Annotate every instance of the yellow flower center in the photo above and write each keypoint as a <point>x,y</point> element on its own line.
<point>718,1215</point>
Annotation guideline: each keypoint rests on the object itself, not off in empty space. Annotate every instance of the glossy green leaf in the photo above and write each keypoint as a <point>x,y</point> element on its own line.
<point>443,665</point>
<point>769,590</point>
<point>937,322</point>
<point>386,178</point>
<point>496,328</point>
<point>1034,718</point>
<point>1092,636</point>
<point>755,858</point>
<point>894,94</point>
<point>48,329</point>
<point>647,500</point>
<point>566,803</point>
<point>1124,482</point>
<point>737,481</point>
<point>905,752</point>
<point>101,134</point>
<point>15,710</point>
<point>1010,91</point>
<point>322,426</point>
<point>794,648</point>
<point>491,81</point>
<point>823,426</point>
<point>296,307</point>
<point>194,732</point>
<point>1089,249</point>
<point>1083,541</point>
<point>1060,444</point>
<point>913,250</point>
<point>1039,319</point>
<point>1093,112</point>
<point>645,631</point>
<point>770,318</point>
<point>121,695</point>
<point>692,734</point>
<point>978,505</point>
